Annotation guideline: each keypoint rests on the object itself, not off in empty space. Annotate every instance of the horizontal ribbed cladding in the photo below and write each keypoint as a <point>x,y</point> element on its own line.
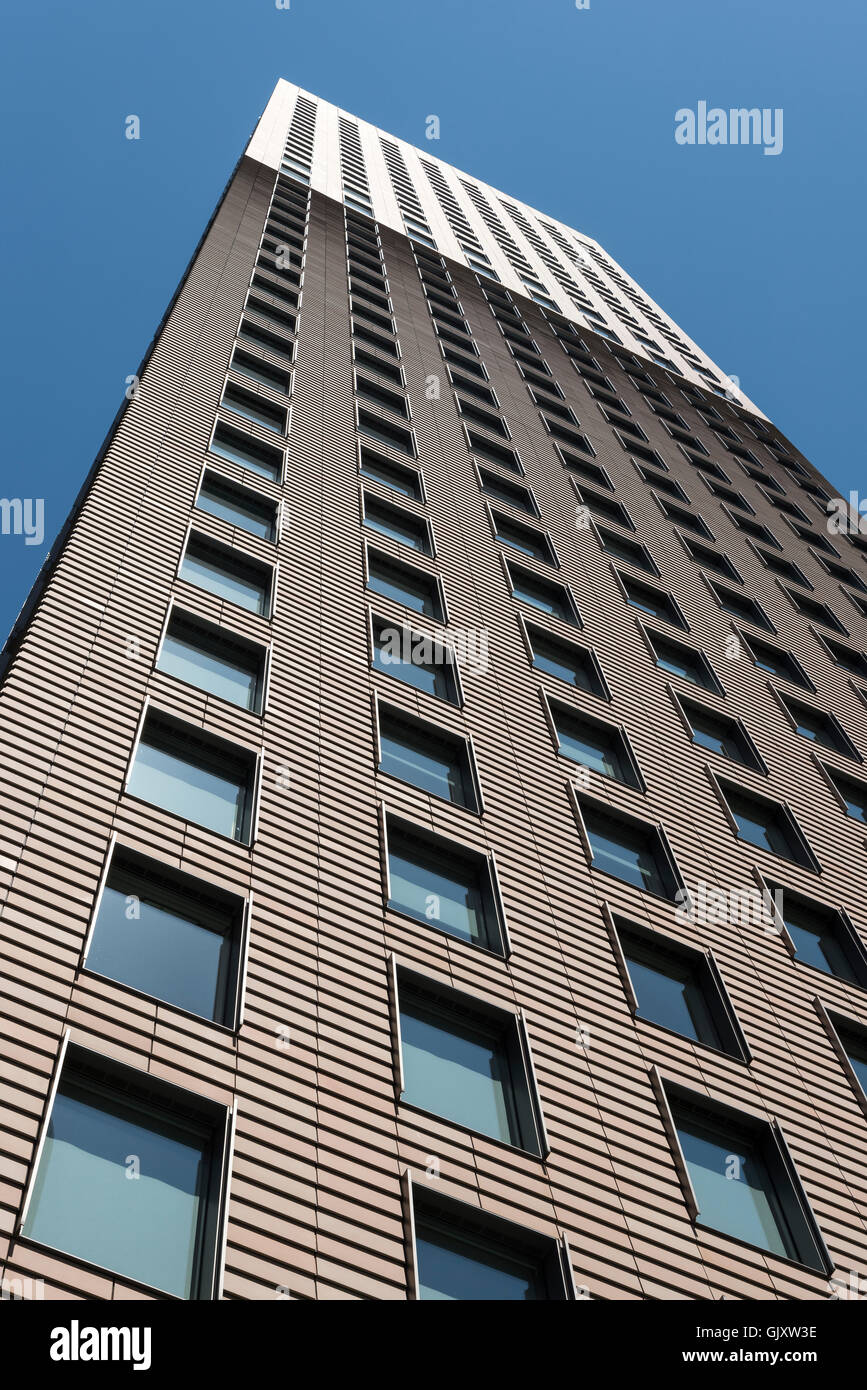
<point>316,1204</point>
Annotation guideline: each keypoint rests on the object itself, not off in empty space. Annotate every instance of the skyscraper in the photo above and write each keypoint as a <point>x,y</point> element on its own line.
<point>433,785</point>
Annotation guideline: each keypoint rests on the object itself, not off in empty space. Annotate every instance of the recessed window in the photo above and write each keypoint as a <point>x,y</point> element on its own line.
<point>786,568</point>
<point>527,539</point>
<point>465,1062</point>
<point>651,600</point>
<point>362,333</point>
<point>748,610</point>
<point>381,395</point>
<point>399,478</point>
<point>401,526</point>
<point>248,452</point>
<point>593,743</point>
<point>851,1043</point>
<point>776,661</point>
<point>851,791</point>
<point>721,734</point>
<point>814,538</point>
<point>505,491</point>
<point>493,452</point>
<point>247,510</point>
<point>821,936</point>
<point>742,1181</point>
<point>161,1230</point>
<point>254,407</point>
<point>462,1253</point>
<point>683,661</point>
<point>844,574</point>
<point>767,825</point>
<point>756,530</point>
<point>847,657</point>
<point>585,469</point>
<point>662,484</point>
<point>254,333</point>
<point>207,656</point>
<point>711,559</point>
<point>194,775</point>
<point>734,499</point>
<point>257,369</point>
<point>630,551</point>
<point>684,518</point>
<point>575,665</point>
<point>227,573</point>
<point>818,726</point>
<point>629,849</point>
<point>543,594</point>
<point>386,432</point>
<point>817,612</point>
<point>606,508</point>
<point>678,988</point>
<point>427,757</point>
<point>375,364</point>
<point>424,662</point>
<point>168,935</point>
<point>444,885</point>
<point>404,584</point>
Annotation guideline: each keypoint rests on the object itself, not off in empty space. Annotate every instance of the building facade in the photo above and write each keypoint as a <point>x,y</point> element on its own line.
<point>434,790</point>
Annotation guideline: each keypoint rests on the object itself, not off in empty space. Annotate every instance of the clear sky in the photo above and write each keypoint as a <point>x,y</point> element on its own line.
<point>758,257</point>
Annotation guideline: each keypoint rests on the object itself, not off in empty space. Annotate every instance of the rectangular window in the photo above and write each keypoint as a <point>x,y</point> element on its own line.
<point>818,726</point>
<point>742,1180</point>
<point>766,824</point>
<point>575,665</point>
<point>677,988</point>
<point>683,661</point>
<point>381,395</point>
<point>228,574</point>
<point>161,1230</point>
<point>397,476</point>
<point>721,734</point>
<point>527,539</point>
<point>257,369</point>
<point>622,548</point>
<point>816,612</point>
<point>606,508</point>
<point>821,937</point>
<point>462,1253</point>
<point>711,559</point>
<point>543,594</point>
<point>602,747</point>
<point>505,491</point>
<point>395,436</point>
<point>748,610</point>
<point>444,885</point>
<point>404,584</point>
<point>465,1062</point>
<point>427,757</point>
<point>249,511</point>
<point>416,659</point>
<point>376,364</point>
<point>786,568</point>
<point>401,526</point>
<point>651,600</point>
<point>232,444</point>
<point>776,661</point>
<point>254,333</point>
<point>170,936</point>
<point>194,775</point>
<point>852,793</point>
<point>629,849</point>
<point>494,453</point>
<point>853,661</point>
<point>212,659</point>
<point>253,407</point>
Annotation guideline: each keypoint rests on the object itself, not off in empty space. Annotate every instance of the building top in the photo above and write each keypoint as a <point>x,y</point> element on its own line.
<point>437,205</point>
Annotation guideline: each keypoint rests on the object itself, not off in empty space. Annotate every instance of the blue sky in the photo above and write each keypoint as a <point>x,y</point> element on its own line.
<point>571,110</point>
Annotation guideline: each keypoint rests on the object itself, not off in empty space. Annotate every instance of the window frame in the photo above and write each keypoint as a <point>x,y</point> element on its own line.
<point>497,943</point>
<point>78,1057</point>
<point>475,806</point>
<point>528,1114</point>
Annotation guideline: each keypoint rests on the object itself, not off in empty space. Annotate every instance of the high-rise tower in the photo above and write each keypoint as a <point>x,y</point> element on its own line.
<point>433,786</point>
